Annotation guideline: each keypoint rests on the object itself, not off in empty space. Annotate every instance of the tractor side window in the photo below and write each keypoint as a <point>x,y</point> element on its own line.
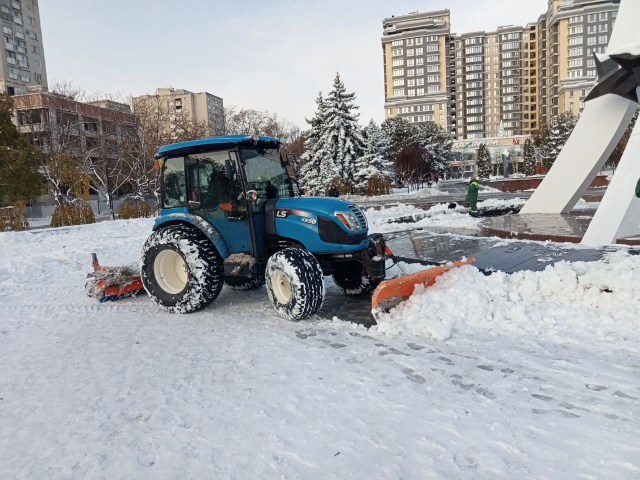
<point>174,192</point>
<point>266,174</point>
<point>215,184</point>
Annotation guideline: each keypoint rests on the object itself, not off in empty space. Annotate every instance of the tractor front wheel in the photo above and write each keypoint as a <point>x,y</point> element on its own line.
<point>352,280</point>
<point>181,269</point>
<point>295,283</point>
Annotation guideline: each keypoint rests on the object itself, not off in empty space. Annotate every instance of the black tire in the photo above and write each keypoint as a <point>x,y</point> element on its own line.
<point>203,265</point>
<point>353,281</point>
<point>302,271</point>
<point>244,284</point>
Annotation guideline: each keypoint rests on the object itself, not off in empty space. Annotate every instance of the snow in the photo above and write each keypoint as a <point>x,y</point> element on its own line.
<point>599,300</point>
<point>398,194</point>
<point>126,390</point>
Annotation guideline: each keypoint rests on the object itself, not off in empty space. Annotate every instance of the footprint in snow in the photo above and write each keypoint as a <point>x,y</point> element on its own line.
<point>488,368</point>
<point>413,376</point>
<point>463,386</point>
<point>562,413</point>
<point>337,345</point>
<point>415,346</point>
<point>597,388</point>
<point>446,360</point>
<point>541,397</point>
<point>624,395</point>
<point>508,371</point>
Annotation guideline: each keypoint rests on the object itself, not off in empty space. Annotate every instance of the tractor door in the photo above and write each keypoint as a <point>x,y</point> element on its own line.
<point>216,194</point>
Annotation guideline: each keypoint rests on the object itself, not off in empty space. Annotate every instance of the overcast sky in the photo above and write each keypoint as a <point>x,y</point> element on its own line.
<point>271,55</point>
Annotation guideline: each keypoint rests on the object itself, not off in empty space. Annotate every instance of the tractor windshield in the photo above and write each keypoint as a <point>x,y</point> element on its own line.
<point>266,174</point>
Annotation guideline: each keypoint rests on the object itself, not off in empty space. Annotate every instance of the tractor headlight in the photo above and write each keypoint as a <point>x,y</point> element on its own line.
<point>349,220</point>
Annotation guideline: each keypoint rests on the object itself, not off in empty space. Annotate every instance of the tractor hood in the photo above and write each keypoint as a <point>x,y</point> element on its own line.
<point>314,205</point>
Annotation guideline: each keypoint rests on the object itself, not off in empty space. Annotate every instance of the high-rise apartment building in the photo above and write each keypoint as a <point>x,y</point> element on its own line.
<point>22,62</point>
<point>416,67</point>
<point>178,105</point>
<point>504,83</point>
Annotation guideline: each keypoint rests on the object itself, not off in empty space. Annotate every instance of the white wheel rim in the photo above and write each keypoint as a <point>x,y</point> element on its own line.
<point>281,286</point>
<point>170,272</point>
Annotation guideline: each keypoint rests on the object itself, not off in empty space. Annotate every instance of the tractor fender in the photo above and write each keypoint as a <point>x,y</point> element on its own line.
<point>205,227</point>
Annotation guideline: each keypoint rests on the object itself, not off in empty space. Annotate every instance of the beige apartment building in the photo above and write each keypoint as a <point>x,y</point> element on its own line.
<point>500,84</point>
<point>22,64</point>
<point>181,104</point>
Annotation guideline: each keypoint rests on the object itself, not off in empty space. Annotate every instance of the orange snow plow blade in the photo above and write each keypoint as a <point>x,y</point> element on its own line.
<point>405,285</point>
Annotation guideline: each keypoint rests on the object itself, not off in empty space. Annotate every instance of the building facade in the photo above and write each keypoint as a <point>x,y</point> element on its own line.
<point>181,104</point>
<point>61,124</point>
<point>501,84</point>
<point>416,67</point>
<point>22,63</point>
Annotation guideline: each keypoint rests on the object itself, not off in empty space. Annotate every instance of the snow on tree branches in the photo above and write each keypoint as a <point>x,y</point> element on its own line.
<point>374,163</point>
<point>553,138</point>
<point>484,162</point>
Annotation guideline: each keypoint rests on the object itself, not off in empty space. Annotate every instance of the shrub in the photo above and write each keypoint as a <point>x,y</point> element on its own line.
<point>378,186</point>
<point>12,219</point>
<point>77,213</point>
<point>135,208</point>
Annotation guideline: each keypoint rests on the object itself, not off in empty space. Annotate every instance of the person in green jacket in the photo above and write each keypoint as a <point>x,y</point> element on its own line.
<point>472,196</point>
<point>638,189</point>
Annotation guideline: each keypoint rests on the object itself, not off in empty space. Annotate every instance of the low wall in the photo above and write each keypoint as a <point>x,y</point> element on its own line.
<point>531,183</point>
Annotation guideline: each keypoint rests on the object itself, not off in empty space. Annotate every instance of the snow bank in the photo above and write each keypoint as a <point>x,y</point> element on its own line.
<point>565,301</point>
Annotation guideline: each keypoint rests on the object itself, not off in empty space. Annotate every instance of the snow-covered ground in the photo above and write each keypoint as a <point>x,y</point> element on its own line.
<point>124,390</point>
<point>399,194</point>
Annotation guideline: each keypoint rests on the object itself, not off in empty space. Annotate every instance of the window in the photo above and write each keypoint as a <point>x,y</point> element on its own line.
<point>433,58</point>
<point>419,41</point>
<point>603,27</point>
<point>420,91</point>
<point>419,61</point>
<point>433,88</point>
<point>399,82</point>
<point>398,62</point>
<point>433,78</point>
<point>576,62</point>
<point>592,41</point>
<point>33,35</point>
<point>397,53</point>
<point>603,39</point>
<point>32,21</point>
<point>577,19</point>
<point>397,43</point>
<point>174,193</point>
<point>398,92</point>
<point>433,68</point>
<point>420,81</point>
<point>432,38</point>
<point>411,92</point>
<point>432,48</point>
<point>592,29</point>
<point>574,30</point>
<point>420,71</point>
<point>411,72</point>
<point>573,52</point>
<point>35,49</point>
<point>398,72</point>
<point>419,51</point>
<point>592,18</point>
<point>410,52</point>
<point>604,16</point>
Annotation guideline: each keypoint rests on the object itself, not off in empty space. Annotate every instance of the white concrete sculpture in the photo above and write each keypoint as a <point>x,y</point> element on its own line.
<point>608,111</point>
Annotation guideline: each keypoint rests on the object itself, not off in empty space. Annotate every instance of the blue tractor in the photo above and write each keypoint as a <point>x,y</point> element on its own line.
<point>232,213</point>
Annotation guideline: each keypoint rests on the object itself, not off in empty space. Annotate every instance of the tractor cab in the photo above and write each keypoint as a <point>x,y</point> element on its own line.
<point>232,212</point>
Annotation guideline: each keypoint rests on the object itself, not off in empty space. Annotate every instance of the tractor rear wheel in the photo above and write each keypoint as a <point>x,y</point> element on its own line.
<point>244,284</point>
<point>352,280</point>
<point>295,283</point>
<point>181,269</point>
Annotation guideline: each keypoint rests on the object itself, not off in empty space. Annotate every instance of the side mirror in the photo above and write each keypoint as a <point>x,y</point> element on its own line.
<point>230,169</point>
<point>194,205</point>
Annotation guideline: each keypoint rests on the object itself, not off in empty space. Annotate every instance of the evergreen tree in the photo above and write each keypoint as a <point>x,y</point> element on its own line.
<point>400,133</point>
<point>341,142</point>
<point>529,155</point>
<point>316,171</point>
<point>20,180</point>
<point>484,162</point>
<point>436,144</point>
<point>374,163</point>
<point>555,137</point>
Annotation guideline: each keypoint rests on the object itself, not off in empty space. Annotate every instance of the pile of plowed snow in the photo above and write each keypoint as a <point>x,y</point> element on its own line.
<point>563,302</point>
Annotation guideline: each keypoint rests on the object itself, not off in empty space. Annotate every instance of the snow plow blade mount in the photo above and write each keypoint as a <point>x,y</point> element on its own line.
<point>106,284</point>
<point>404,286</point>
